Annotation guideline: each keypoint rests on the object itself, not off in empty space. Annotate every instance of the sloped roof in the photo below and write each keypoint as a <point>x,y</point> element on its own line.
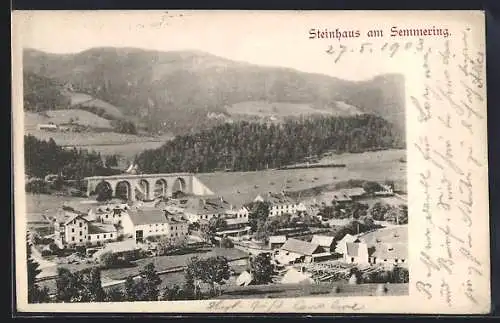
<point>324,241</point>
<point>66,217</point>
<point>396,234</point>
<point>352,249</point>
<point>149,216</point>
<point>300,247</point>
<point>277,239</point>
<point>391,251</point>
<point>342,242</point>
<point>207,205</point>
<point>276,198</point>
<point>355,191</point>
<point>95,228</point>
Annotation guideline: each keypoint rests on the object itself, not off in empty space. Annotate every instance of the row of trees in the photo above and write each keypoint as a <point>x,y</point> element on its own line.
<point>46,157</point>
<point>394,214</point>
<point>247,146</point>
<point>354,210</point>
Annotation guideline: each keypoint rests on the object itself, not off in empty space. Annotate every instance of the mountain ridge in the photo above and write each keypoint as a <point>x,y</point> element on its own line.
<point>178,89</point>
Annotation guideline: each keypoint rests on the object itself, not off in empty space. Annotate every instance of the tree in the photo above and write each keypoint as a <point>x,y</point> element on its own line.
<point>226,243</point>
<point>104,192</point>
<point>111,161</point>
<point>403,214</point>
<point>213,270</point>
<point>151,281</point>
<point>379,211</point>
<point>208,229</point>
<point>115,295</point>
<point>130,291</point>
<point>92,286</point>
<point>400,275</point>
<point>108,259</point>
<point>82,286</point>
<point>35,293</point>
<point>371,187</point>
<point>259,212</point>
<point>262,269</point>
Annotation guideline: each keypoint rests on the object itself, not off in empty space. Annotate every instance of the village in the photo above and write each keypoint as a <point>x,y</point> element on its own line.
<point>355,235</point>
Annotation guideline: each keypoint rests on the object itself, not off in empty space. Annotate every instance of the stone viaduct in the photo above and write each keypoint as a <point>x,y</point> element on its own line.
<point>148,186</point>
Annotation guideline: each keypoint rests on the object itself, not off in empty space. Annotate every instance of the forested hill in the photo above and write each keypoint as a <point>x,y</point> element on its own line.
<point>184,91</point>
<point>252,146</point>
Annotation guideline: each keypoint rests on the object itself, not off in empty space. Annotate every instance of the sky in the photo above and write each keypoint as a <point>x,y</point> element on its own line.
<point>269,38</point>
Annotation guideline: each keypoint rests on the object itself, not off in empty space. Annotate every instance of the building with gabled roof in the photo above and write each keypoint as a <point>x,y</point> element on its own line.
<point>147,222</point>
<point>324,241</point>
<point>296,251</point>
<point>280,203</point>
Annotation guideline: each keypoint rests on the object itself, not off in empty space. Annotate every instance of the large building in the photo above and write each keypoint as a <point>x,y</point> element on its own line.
<point>297,251</point>
<point>74,229</point>
<point>281,204</point>
<point>203,208</point>
<point>156,223</point>
<point>387,247</point>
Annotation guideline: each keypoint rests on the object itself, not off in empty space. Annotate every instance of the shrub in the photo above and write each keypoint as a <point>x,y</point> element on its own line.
<point>226,243</point>
<point>46,253</point>
<point>108,259</point>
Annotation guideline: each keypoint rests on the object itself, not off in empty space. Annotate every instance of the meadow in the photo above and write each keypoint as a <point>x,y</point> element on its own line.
<point>240,187</point>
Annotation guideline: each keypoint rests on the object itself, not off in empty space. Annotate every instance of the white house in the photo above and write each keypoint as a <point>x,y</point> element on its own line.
<point>155,222</point>
<point>70,229</point>
<point>101,233</point>
<point>205,208</point>
<point>73,229</point>
<point>341,247</point>
<point>356,253</point>
<point>281,204</point>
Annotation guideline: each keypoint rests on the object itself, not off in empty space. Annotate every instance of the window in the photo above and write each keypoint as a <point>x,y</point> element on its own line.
<point>97,236</point>
<point>385,259</point>
<point>73,230</point>
<point>111,235</point>
<point>89,237</point>
<point>80,224</point>
<point>72,238</point>
<point>352,259</point>
<point>106,215</point>
<point>81,240</point>
<point>402,260</point>
<point>395,260</point>
<point>104,236</point>
<point>81,233</point>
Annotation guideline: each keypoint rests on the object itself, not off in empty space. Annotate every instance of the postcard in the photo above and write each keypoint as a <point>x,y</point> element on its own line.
<point>250,162</point>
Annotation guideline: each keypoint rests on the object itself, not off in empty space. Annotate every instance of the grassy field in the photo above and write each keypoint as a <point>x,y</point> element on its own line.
<point>240,187</point>
<point>318,290</point>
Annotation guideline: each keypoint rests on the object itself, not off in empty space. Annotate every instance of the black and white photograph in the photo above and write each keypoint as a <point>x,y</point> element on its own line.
<point>166,160</point>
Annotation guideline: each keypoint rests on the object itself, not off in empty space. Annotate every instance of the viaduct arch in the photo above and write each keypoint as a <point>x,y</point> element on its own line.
<point>148,186</point>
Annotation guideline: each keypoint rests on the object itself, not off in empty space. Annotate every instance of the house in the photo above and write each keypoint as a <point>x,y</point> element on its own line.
<point>47,127</point>
<point>99,233</point>
<point>281,204</point>
<point>155,222</point>
<point>276,242</point>
<point>75,229</point>
<point>326,242</point>
<point>386,190</point>
<point>198,209</point>
<point>388,247</point>
<point>356,253</point>
<point>70,229</point>
<point>341,244</point>
<point>297,251</point>
<point>354,193</point>
<point>389,254</point>
<point>335,198</point>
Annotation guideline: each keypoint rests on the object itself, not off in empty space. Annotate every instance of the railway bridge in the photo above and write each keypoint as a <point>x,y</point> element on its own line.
<point>148,186</point>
